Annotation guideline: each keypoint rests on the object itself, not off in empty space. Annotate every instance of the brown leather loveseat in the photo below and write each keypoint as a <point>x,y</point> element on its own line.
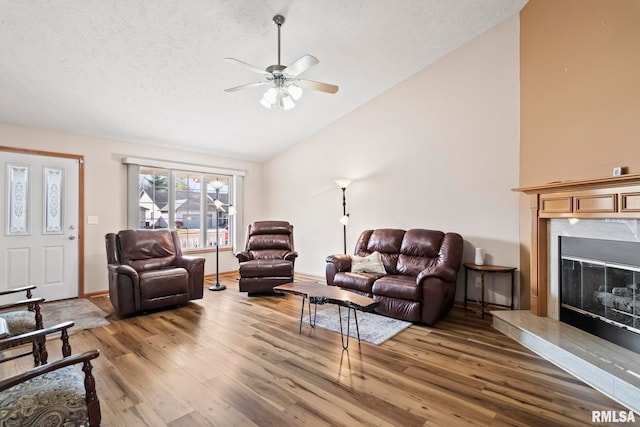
<point>147,271</point>
<point>418,280</point>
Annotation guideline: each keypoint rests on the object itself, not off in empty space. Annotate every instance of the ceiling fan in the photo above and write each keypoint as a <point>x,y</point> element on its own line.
<point>286,86</point>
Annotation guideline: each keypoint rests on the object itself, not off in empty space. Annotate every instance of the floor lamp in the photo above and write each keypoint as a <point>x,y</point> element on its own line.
<point>218,204</point>
<point>343,183</point>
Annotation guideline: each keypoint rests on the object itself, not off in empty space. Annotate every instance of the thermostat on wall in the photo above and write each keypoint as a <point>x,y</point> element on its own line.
<point>617,171</point>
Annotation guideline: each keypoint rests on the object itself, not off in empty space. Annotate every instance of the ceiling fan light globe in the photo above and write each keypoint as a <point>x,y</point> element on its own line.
<point>270,95</point>
<point>295,92</point>
<point>287,102</point>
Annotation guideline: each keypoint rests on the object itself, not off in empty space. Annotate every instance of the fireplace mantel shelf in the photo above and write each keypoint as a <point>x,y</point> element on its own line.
<point>604,182</point>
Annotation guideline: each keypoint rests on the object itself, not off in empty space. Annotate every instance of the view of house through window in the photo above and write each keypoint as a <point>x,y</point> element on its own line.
<point>188,202</point>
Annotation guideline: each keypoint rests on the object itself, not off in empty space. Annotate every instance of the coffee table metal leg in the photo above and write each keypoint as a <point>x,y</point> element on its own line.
<point>345,342</point>
<point>315,313</point>
<point>355,316</point>
<point>302,315</point>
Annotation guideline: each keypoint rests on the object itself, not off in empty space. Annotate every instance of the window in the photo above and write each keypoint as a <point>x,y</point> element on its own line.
<point>197,204</point>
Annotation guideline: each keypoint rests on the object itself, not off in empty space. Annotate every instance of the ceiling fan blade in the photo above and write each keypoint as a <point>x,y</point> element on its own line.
<point>301,65</point>
<point>322,87</point>
<point>249,66</point>
<point>234,89</point>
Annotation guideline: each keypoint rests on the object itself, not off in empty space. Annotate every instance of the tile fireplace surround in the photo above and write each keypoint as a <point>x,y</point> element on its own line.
<point>605,208</point>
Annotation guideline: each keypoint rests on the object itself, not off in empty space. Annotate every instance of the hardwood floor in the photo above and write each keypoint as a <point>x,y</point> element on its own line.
<point>231,360</point>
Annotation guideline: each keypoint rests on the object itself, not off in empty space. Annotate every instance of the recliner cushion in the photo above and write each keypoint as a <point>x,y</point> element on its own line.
<point>266,268</point>
<point>269,241</point>
<point>398,286</point>
<point>161,283</point>
<point>271,227</point>
<point>146,249</point>
<point>420,249</point>
<point>361,282</point>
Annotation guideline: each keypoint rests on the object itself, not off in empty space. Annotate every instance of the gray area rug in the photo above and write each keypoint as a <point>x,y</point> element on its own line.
<point>374,328</point>
<point>82,312</point>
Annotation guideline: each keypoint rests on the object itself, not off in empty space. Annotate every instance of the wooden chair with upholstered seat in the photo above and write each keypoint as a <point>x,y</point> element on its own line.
<point>19,317</point>
<point>53,393</point>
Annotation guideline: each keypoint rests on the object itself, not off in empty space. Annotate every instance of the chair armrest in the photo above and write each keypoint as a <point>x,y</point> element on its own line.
<point>341,261</point>
<point>21,289</point>
<point>123,269</point>
<point>244,256</point>
<point>26,302</point>
<point>189,262</point>
<point>442,272</point>
<point>291,255</point>
<point>17,339</point>
<point>85,357</point>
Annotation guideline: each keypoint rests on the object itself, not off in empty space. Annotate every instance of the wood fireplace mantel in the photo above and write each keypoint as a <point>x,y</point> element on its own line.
<point>599,198</point>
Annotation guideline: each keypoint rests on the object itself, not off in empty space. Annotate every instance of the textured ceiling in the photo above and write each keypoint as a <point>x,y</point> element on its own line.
<point>152,71</point>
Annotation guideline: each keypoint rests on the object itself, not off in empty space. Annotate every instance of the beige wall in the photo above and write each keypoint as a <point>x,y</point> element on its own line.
<point>438,151</point>
<point>106,187</point>
<point>580,89</point>
<point>580,93</point>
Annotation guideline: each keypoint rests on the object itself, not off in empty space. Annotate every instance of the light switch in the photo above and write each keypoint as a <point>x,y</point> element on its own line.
<point>92,219</point>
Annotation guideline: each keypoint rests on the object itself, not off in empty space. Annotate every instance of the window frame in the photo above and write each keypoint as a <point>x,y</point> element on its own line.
<point>235,183</point>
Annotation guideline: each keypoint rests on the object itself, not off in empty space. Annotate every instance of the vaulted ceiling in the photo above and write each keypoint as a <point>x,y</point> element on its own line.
<point>154,72</point>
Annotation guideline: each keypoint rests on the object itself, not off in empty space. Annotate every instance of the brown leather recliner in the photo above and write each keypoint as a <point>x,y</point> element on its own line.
<point>268,258</point>
<point>147,271</point>
<point>421,267</point>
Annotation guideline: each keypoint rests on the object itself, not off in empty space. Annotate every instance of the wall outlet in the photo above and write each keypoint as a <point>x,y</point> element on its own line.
<point>92,220</point>
<point>478,282</point>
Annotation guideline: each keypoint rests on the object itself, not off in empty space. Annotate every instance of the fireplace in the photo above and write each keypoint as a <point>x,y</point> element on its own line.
<point>605,208</point>
<point>600,288</point>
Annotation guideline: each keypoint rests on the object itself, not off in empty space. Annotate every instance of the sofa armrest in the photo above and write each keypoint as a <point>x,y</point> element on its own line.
<point>291,256</point>
<point>442,272</point>
<point>341,261</point>
<point>335,264</point>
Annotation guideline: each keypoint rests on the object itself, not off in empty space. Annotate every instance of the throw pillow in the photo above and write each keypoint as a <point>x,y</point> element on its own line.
<point>367,264</point>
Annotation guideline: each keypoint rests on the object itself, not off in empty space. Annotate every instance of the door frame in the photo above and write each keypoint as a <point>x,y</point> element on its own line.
<point>80,160</point>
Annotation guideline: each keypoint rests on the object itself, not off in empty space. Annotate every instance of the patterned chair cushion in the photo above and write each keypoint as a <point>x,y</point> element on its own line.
<point>19,322</point>
<point>53,399</point>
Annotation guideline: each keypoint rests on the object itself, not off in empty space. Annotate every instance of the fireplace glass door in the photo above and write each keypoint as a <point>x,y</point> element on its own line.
<point>600,287</point>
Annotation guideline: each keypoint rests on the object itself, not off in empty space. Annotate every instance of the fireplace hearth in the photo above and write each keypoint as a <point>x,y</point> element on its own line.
<point>599,288</point>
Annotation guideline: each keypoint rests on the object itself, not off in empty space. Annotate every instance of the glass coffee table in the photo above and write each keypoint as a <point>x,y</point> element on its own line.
<point>319,293</point>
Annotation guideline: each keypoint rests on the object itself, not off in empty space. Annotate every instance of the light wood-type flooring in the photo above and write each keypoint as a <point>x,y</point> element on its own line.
<point>234,360</point>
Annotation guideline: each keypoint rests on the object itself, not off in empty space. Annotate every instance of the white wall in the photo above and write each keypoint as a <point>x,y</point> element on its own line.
<point>438,151</point>
<point>106,188</point>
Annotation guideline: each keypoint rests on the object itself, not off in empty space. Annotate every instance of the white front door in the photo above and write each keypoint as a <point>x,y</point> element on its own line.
<point>39,216</point>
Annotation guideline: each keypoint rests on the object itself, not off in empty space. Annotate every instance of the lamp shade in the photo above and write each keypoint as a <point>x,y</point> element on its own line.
<point>344,219</point>
<point>217,184</point>
<point>343,182</point>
